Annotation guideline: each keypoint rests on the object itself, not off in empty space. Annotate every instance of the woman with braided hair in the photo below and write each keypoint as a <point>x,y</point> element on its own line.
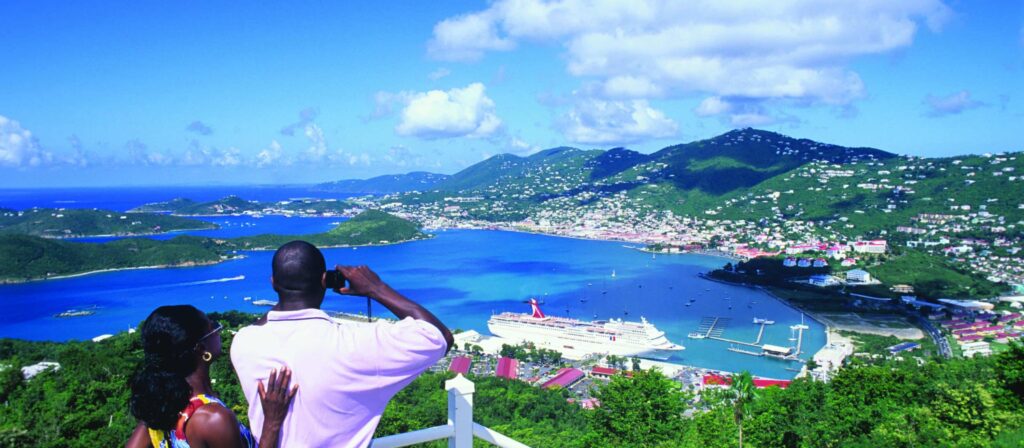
<point>171,392</point>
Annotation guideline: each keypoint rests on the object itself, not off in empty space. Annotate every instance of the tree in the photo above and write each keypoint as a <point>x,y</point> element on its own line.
<point>1010,371</point>
<point>636,363</point>
<point>812,364</point>
<point>744,393</point>
<point>644,410</point>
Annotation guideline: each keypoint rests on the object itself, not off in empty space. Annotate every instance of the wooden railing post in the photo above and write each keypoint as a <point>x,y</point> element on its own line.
<point>460,411</point>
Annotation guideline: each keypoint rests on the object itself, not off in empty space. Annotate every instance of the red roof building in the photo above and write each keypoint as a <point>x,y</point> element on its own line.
<point>712,379</point>
<point>460,364</point>
<point>507,368</point>
<point>564,378</point>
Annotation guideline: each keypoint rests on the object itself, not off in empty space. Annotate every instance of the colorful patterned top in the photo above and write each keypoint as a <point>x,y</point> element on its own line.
<point>176,437</point>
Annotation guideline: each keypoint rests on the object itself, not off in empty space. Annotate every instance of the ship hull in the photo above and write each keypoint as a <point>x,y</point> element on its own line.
<point>543,338</point>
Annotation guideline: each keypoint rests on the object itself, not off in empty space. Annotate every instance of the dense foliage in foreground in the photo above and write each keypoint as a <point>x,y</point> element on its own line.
<point>964,403</point>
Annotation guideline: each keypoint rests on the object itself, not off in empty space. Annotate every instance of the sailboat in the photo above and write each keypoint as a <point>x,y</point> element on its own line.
<point>613,273</point>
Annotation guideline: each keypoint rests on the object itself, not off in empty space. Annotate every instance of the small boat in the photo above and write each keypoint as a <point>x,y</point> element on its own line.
<point>760,320</point>
<point>696,335</point>
<point>74,313</point>
<point>613,273</point>
<point>689,303</point>
<point>247,298</point>
<point>262,302</point>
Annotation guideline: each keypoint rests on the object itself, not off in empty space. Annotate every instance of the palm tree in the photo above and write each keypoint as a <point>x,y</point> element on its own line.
<point>744,393</point>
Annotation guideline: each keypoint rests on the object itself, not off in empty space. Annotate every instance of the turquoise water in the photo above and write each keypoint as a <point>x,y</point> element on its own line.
<point>461,275</point>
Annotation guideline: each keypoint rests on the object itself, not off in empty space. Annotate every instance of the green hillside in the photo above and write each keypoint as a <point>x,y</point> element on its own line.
<point>366,228</point>
<point>66,223</point>
<point>867,197</point>
<point>25,257</point>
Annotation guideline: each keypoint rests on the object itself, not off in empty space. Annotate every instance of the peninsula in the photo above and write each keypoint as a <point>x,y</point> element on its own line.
<point>28,257</point>
<point>76,223</point>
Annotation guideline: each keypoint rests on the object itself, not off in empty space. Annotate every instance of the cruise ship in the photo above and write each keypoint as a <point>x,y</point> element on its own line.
<point>612,337</point>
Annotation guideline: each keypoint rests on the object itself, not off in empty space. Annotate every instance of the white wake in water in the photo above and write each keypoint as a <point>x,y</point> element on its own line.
<point>207,282</point>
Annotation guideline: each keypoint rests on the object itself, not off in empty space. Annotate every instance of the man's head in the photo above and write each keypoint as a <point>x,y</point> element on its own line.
<point>298,272</point>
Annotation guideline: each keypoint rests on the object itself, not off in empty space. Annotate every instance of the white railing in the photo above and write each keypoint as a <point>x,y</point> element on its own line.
<point>460,429</point>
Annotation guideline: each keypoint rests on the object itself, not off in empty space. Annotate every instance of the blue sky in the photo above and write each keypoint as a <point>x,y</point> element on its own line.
<point>124,93</point>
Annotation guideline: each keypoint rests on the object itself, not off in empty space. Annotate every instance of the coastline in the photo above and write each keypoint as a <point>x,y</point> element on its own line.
<point>129,235</point>
<point>192,263</point>
<point>187,264</point>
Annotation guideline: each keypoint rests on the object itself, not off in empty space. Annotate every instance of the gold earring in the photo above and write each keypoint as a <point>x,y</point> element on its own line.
<point>207,356</point>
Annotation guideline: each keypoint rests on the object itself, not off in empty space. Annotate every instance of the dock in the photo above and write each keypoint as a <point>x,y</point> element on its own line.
<point>713,328</point>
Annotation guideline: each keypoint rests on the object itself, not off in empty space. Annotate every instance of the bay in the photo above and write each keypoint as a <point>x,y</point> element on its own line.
<point>463,276</point>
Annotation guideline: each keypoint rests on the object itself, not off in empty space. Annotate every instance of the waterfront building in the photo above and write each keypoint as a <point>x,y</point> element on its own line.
<point>858,276</point>
<point>823,280</point>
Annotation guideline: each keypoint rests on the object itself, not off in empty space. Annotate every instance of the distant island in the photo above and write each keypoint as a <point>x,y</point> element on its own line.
<point>27,257</point>
<point>234,205</point>
<point>386,184</point>
<point>75,223</point>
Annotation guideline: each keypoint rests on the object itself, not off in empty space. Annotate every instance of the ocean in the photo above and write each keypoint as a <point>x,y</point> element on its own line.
<point>463,276</point>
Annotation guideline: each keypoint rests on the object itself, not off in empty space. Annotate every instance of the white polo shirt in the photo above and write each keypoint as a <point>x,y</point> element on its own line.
<point>346,372</point>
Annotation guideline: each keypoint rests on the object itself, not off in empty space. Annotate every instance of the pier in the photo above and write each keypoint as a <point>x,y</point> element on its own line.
<point>713,327</point>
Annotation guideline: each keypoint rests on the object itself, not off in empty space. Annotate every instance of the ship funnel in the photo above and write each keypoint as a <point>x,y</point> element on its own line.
<point>536,309</point>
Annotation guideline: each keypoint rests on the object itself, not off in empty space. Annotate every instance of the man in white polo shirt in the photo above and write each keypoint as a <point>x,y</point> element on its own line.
<point>346,372</point>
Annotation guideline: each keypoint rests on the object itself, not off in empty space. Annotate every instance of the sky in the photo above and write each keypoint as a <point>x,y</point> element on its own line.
<point>195,93</point>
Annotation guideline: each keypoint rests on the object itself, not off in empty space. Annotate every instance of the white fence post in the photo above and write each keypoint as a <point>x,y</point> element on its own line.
<point>460,411</point>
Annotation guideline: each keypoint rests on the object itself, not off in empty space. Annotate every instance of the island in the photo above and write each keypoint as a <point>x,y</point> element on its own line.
<point>236,206</point>
<point>76,223</point>
<point>28,257</point>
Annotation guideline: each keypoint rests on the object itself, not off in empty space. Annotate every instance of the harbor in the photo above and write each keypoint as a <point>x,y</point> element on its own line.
<point>713,328</point>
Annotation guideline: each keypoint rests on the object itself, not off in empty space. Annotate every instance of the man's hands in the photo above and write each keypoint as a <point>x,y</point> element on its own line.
<point>364,282</point>
<point>361,282</point>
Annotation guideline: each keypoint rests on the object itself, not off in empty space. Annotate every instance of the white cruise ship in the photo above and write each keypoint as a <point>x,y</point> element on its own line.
<point>613,337</point>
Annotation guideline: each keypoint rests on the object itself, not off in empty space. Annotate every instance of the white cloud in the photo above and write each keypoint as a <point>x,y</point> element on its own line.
<point>712,106</point>
<point>602,122</point>
<point>139,154</point>
<point>751,119</point>
<point>519,146</point>
<point>439,73</point>
<point>466,38</point>
<point>18,148</point>
<point>790,49</point>
<point>270,156</point>
<point>465,112</point>
<point>951,105</point>
<point>317,150</point>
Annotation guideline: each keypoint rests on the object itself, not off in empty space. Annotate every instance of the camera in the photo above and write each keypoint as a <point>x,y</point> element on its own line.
<point>334,280</point>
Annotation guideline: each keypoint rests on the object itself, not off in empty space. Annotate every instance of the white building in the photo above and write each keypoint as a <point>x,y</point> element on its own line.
<point>28,372</point>
<point>870,247</point>
<point>858,276</point>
